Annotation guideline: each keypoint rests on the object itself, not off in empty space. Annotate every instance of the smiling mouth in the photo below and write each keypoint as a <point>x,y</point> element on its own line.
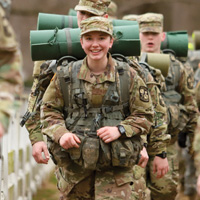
<point>95,51</point>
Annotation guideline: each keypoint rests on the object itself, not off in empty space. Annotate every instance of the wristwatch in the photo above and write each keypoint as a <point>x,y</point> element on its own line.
<point>121,129</point>
<point>162,155</point>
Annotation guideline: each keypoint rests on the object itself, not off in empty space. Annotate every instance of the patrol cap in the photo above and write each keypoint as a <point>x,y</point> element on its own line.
<point>96,7</point>
<point>101,24</point>
<point>151,22</point>
<point>131,17</point>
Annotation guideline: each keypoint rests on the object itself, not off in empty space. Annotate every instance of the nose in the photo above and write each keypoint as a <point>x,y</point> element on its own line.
<point>94,43</point>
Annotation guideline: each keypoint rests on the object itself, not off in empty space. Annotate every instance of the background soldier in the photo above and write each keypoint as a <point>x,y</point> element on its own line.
<point>177,82</point>
<point>11,83</point>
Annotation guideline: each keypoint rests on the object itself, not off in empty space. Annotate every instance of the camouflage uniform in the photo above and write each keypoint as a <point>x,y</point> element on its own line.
<point>157,138</point>
<point>178,76</point>
<point>33,124</point>
<point>11,83</point>
<point>74,181</point>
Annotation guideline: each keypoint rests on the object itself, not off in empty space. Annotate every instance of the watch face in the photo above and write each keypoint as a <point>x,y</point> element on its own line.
<point>121,129</point>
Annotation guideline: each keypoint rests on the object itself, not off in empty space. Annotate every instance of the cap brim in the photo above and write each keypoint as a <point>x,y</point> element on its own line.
<point>95,29</point>
<point>88,9</point>
<point>151,29</point>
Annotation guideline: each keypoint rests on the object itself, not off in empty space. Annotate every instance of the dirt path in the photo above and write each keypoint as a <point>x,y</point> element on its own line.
<point>48,191</point>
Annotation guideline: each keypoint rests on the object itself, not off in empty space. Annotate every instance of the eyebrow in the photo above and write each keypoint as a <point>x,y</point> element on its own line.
<point>101,34</point>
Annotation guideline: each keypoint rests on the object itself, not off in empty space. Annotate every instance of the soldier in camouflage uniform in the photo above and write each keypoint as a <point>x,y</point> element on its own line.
<point>178,80</point>
<point>85,9</point>
<point>92,80</point>
<point>11,83</point>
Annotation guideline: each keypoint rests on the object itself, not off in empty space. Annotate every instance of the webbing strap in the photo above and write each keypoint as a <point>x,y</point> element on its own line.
<point>69,41</point>
<point>70,21</point>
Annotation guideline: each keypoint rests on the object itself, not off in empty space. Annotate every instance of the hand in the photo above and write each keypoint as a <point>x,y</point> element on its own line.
<point>198,185</point>
<point>1,130</point>
<point>69,140</point>
<point>108,133</point>
<point>37,150</point>
<point>161,166</point>
<point>144,158</point>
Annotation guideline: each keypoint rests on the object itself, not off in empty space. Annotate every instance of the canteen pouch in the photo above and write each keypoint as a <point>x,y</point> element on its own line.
<point>75,153</point>
<point>125,152</point>
<point>104,155</point>
<point>90,153</point>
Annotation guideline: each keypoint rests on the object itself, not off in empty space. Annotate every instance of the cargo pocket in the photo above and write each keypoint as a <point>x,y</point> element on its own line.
<point>75,153</point>
<point>63,186</point>
<point>90,153</point>
<point>122,152</point>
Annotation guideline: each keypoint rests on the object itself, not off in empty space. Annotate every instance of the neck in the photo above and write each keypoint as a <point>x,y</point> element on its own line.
<point>97,67</point>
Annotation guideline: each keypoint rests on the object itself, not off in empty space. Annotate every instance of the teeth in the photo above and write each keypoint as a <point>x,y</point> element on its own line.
<point>95,51</point>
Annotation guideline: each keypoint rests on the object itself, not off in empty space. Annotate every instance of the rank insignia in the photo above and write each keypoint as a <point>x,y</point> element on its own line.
<point>144,94</point>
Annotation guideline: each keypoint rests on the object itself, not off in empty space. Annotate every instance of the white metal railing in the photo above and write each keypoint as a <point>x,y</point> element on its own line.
<point>20,175</point>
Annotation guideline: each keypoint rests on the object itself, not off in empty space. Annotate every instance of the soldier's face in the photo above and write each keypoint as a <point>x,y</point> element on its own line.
<point>96,45</point>
<point>151,42</point>
<point>81,15</point>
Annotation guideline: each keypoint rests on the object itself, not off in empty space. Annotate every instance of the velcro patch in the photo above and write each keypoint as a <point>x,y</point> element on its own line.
<point>144,94</point>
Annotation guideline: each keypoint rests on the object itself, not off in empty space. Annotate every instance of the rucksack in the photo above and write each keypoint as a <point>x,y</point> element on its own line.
<point>47,71</point>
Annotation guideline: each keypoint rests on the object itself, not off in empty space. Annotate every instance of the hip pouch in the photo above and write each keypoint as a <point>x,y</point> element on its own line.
<point>125,151</point>
<point>87,154</point>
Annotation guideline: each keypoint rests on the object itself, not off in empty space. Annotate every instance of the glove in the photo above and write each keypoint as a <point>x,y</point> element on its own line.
<point>182,137</point>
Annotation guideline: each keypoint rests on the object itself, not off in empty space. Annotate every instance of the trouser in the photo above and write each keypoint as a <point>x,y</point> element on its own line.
<point>164,188</point>
<point>91,185</point>
<point>139,185</point>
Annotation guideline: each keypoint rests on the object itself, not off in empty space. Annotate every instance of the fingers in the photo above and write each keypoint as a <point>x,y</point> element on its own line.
<point>161,172</point>
<point>143,162</point>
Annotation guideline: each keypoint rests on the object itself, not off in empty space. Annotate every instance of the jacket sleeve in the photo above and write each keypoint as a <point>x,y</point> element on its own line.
<point>141,109</point>
<point>52,118</point>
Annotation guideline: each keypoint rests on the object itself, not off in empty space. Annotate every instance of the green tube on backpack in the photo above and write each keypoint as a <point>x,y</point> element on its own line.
<point>176,41</point>
<point>54,44</point>
<point>51,21</point>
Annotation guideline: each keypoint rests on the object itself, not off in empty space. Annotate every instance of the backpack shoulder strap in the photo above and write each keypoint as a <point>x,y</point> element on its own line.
<point>68,74</point>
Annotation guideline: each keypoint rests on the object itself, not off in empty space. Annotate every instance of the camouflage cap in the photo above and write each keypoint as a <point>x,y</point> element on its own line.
<point>130,17</point>
<point>96,7</point>
<point>112,9</point>
<point>151,22</point>
<point>101,24</point>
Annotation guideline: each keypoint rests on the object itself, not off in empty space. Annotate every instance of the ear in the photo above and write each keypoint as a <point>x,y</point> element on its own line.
<point>163,36</point>
<point>111,42</point>
<point>81,41</point>
<point>106,15</point>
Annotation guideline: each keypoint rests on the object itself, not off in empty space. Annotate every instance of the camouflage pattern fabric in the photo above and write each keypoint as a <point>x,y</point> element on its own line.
<point>33,124</point>
<point>11,83</point>
<point>139,122</point>
<point>185,88</point>
<point>112,10</point>
<point>196,146</point>
<point>150,22</point>
<point>130,17</point>
<point>164,188</point>
<point>139,184</point>
<point>96,7</point>
<point>158,137</point>
<point>96,24</point>
<point>91,185</point>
